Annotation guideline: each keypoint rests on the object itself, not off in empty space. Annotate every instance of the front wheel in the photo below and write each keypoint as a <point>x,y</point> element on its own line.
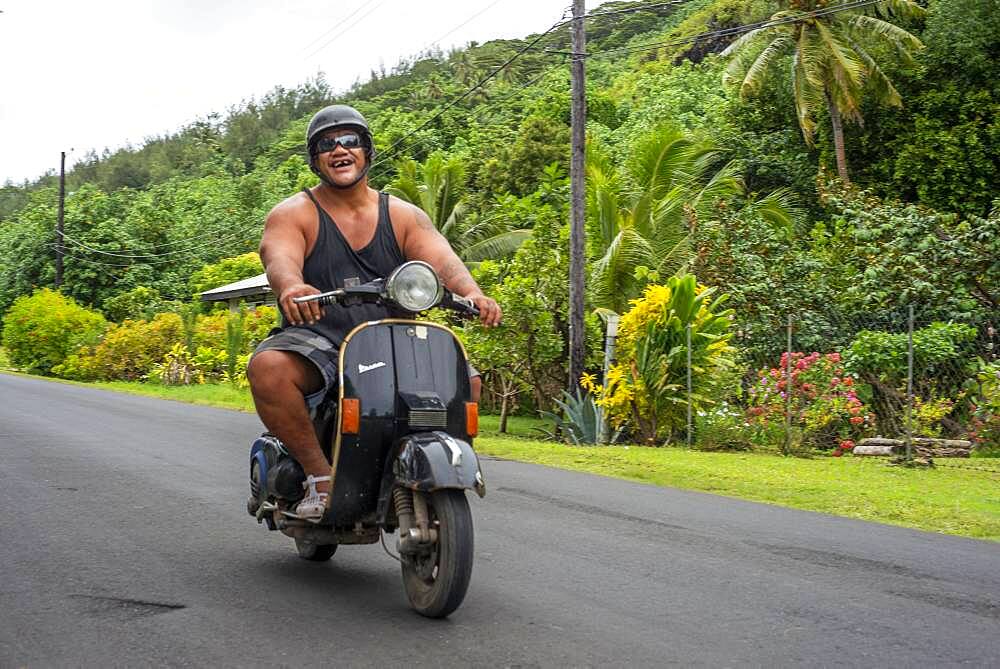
<point>315,552</point>
<point>436,581</point>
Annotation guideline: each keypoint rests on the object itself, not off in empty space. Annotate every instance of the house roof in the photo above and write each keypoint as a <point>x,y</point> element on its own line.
<point>255,285</point>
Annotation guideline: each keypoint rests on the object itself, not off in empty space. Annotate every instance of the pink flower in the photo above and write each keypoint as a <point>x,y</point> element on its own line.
<point>833,357</point>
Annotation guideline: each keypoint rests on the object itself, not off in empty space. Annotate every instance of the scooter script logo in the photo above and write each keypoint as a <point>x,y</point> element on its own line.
<point>367,368</point>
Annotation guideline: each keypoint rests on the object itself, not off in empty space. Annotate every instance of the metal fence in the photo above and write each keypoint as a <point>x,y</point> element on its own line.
<point>900,380</point>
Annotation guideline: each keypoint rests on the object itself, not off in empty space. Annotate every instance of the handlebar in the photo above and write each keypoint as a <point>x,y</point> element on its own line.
<point>463,305</point>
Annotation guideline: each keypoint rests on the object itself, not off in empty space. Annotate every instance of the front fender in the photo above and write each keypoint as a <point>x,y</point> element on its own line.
<point>430,461</point>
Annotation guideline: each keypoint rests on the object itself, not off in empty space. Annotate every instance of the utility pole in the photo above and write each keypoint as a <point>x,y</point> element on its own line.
<point>59,222</point>
<point>576,178</point>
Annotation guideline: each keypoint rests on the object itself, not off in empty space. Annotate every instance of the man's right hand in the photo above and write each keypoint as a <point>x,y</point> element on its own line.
<point>300,314</point>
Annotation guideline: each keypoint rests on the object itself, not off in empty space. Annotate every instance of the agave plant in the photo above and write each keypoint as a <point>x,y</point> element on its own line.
<point>581,421</point>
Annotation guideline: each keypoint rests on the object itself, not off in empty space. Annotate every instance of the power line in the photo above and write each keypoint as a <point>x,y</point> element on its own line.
<point>345,29</point>
<point>488,105</point>
<point>338,24</point>
<point>390,151</point>
<point>214,241</point>
<point>121,265</point>
<point>632,10</point>
<point>466,22</point>
<point>736,30</point>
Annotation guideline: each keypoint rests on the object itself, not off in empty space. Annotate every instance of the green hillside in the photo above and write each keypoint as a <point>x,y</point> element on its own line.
<point>744,195</point>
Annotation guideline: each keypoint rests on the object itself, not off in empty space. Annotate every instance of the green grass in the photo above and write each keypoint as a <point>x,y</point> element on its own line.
<point>955,498</point>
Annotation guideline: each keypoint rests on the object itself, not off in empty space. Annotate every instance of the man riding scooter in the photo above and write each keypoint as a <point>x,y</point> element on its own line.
<point>336,234</point>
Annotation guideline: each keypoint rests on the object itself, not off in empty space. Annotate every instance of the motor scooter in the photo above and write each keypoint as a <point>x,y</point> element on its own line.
<point>398,431</point>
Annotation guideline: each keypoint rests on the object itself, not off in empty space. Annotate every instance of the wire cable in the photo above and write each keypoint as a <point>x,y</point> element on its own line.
<point>488,105</point>
<point>338,24</point>
<point>735,30</point>
<point>392,150</point>
<point>464,23</point>
<point>345,29</point>
<point>208,242</point>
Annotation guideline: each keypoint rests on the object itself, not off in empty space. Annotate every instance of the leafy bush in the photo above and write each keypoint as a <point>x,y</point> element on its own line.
<point>225,271</point>
<point>139,303</point>
<point>180,367</point>
<point>825,409</point>
<point>943,361</point>
<point>127,352</point>
<point>42,329</point>
<point>648,384</point>
<point>985,432</point>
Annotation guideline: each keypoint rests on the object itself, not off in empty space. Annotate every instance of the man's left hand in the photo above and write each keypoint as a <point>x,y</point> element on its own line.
<point>490,314</point>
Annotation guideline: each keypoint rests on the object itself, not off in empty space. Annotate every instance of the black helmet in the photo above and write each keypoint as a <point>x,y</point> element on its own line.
<point>336,117</point>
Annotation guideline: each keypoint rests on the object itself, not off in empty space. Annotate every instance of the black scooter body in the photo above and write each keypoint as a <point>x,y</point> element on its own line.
<point>411,380</point>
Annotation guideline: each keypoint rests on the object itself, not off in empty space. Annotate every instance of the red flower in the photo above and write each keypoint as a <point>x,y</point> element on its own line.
<point>857,420</point>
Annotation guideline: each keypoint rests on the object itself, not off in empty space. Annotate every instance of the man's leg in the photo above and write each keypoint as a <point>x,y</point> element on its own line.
<point>280,381</point>
<point>476,386</point>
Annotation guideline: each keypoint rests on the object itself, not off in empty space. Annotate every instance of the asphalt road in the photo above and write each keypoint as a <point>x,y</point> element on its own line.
<point>124,542</point>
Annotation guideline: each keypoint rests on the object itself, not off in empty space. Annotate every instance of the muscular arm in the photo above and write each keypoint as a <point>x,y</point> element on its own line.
<point>283,252</point>
<point>422,241</point>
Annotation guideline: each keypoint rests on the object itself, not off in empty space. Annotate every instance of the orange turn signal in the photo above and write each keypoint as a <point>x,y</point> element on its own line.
<point>350,415</point>
<point>471,418</point>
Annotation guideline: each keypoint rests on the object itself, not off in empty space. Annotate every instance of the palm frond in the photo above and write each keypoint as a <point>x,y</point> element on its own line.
<point>780,209</point>
<point>613,274</point>
<point>755,73</point>
<point>885,92</point>
<point>870,26</point>
<point>495,247</point>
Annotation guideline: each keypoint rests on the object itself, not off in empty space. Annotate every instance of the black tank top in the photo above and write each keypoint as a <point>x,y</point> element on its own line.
<point>333,262</point>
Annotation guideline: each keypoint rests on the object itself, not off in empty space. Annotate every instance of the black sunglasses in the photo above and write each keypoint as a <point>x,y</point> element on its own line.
<point>350,140</point>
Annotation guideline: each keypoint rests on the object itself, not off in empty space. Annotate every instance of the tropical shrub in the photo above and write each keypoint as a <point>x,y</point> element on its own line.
<point>985,420</point>
<point>42,329</point>
<point>647,387</point>
<point>825,406</point>
<point>126,353</point>
<point>943,360</point>
<point>181,367</point>
<point>139,303</point>
<point>225,271</point>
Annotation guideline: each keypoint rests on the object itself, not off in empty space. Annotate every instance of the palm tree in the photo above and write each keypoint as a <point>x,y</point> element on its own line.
<point>643,216</point>
<point>831,62</point>
<point>436,186</point>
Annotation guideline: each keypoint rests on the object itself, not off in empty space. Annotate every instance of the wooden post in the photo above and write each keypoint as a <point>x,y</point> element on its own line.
<point>576,227</point>
<point>60,249</point>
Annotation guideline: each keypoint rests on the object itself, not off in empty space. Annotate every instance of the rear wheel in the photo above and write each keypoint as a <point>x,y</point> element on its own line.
<point>315,552</point>
<point>436,581</point>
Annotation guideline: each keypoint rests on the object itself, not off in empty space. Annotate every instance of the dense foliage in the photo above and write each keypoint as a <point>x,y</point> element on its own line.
<point>685,174</point>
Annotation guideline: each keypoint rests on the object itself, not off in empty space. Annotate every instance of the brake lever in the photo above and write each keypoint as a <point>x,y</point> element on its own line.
<point>324,299</point>
<point>468,307</point>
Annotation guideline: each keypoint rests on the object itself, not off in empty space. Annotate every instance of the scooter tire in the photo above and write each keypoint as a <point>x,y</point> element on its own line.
<point>313,552</point>
<point>437,592</point>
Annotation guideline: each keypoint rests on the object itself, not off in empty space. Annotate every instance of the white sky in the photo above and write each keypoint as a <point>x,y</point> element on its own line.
<point>104,73</point>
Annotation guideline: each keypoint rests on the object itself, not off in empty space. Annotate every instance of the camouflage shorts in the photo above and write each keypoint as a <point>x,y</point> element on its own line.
<point>318,350</point>
<point>312,346</point>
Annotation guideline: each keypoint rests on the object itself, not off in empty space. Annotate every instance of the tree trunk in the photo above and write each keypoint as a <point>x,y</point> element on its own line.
<point>504,408</point>
<point>838,140</point>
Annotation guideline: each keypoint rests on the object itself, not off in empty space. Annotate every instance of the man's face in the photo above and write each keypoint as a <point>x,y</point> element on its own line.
<point>340,164</point>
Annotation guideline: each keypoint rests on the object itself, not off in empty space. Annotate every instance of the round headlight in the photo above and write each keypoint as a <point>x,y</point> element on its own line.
<point>414,286</point>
